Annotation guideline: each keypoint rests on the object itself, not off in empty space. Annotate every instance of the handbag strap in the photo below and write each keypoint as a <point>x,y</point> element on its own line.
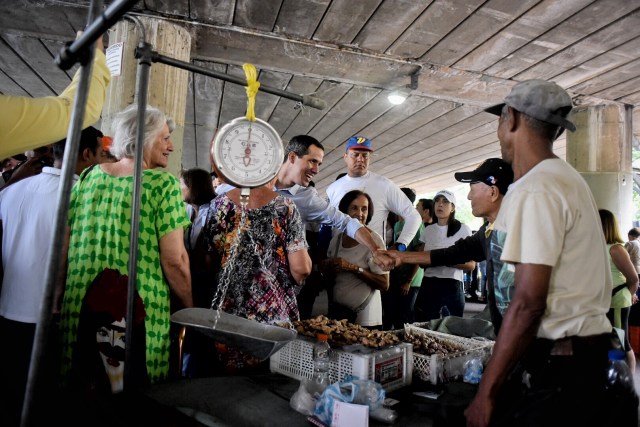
<point>618,288</point>
<point>361,307</point>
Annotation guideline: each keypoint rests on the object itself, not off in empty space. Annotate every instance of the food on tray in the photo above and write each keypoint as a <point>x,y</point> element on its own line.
<point>342,332</point>
<point>427,345</point>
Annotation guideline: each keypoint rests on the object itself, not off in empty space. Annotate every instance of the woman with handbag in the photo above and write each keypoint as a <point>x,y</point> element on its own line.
<point>358,280</point>
<point>625,281</point>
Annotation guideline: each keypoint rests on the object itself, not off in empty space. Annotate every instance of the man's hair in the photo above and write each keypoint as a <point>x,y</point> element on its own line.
<point>346,200</point>
<point>634,232</point>
<point>88,139</point>
<point>409,193</point>
<point>428,204</point>
<point>300,144</point>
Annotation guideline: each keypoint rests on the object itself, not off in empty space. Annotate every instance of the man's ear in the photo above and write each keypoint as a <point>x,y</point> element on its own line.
<point>291,157</point>
<point>86,154</point>
<point>513,120</point>
<point>495,193</point>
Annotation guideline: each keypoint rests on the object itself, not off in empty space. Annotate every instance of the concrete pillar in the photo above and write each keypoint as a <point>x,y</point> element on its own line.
<point>167,85</point>
<point>600,149</point>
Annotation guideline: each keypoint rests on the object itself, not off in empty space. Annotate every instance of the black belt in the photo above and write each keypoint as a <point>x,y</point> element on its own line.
<point>590,346</point>
<point>565,360</point>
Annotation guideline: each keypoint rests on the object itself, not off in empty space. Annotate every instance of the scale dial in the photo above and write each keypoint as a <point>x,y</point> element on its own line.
<point>247,154</point>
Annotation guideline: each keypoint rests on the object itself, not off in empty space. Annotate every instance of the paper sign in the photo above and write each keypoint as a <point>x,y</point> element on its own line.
<point>114,58</point>
<point>350,415</point>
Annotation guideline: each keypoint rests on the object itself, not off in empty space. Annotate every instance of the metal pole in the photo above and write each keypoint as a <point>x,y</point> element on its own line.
<point>144,65</point>
<point>41,337</point>
<point>308,100</point>
<point>69,55</point>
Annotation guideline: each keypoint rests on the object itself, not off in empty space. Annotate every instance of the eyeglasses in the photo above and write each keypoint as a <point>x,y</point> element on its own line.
<point>355,155</point>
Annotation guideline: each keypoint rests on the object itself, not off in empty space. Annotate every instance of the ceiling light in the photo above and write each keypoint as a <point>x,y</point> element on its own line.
<point>400,95</point>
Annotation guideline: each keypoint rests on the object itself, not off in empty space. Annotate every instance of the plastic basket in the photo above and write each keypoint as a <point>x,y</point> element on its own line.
<point>440,368</point>
<point>390,367</point>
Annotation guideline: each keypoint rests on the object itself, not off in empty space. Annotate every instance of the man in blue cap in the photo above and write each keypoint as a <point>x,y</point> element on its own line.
<point>387,196</point>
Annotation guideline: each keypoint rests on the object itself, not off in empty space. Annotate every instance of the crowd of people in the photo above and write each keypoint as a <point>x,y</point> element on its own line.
<point>555,289</point>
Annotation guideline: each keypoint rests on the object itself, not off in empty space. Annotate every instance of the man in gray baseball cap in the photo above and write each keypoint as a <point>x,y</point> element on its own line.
<point>540,99</point>
<point>552,282</point>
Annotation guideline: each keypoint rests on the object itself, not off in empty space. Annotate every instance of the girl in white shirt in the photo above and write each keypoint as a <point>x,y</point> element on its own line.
<point>442,290</point>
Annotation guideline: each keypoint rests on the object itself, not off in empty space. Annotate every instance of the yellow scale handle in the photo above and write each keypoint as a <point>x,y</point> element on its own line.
<point>252,89</point>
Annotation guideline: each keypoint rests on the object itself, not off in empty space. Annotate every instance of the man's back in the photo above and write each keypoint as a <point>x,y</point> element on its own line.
<point>27,212</point>
<point>549,217</point>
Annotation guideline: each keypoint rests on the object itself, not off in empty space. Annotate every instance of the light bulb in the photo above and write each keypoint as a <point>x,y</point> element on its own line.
<point>396,98</point>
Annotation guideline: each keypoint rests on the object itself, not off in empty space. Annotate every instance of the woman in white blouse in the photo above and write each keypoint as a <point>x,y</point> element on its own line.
<point>358,280</point>
<point>442,290</point>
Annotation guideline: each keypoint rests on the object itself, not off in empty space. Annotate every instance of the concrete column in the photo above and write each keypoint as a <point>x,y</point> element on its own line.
<point>167,85</point>
<point>600,149</point>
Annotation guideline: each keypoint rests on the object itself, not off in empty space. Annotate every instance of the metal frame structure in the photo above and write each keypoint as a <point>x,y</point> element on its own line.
<point>82,50</point>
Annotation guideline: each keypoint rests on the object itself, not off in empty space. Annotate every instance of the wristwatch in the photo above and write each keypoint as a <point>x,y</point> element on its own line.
<point>401,247</point>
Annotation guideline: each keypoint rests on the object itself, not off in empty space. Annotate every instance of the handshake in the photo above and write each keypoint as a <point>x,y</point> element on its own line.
<point>389,259</point>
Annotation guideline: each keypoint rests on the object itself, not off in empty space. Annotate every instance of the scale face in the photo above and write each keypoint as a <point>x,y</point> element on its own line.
<point>248,154</point>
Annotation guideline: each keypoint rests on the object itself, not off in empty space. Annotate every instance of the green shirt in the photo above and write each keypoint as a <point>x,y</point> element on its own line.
<point>100,221</point>
<point>404,270</point>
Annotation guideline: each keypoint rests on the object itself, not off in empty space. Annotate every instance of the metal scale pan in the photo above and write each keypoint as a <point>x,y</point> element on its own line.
<point>257,339</point>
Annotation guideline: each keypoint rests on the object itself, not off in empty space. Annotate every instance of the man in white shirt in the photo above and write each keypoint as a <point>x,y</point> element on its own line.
<point>387,196</point>
<point>303,157</point>
<point>27,215</point>
<point>552,282</point>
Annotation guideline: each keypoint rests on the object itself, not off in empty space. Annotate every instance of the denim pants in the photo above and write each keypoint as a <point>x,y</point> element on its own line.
<point>439,297</point>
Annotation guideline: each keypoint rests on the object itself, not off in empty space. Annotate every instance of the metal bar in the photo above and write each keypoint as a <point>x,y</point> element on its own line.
<point>309,100</point>
<point>144,65</point>
<point>69,55</point>
<point>41,338</point>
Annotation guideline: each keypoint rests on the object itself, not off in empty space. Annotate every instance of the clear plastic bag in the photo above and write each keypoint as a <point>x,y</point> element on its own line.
<point>302,400</point>
<point>362,392</point>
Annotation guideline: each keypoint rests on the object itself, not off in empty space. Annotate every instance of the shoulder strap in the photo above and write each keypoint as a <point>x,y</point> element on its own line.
<point>366,301</point>
<point>337,244</point>
<point>86,172</point>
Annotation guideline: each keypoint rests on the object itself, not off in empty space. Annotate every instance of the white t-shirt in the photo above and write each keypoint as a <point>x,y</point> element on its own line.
<point>351,290</point>
<point>435,237</point>
<point>386,196</point>
<point>549,217</point>
<point>27,212</point>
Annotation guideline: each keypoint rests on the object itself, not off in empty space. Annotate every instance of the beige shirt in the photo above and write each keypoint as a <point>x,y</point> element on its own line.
<point>633,247</point>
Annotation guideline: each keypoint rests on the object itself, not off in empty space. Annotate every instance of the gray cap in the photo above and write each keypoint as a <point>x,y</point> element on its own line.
<point>540,99</point>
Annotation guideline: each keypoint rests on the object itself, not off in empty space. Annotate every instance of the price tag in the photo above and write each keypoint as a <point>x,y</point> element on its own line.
<point>350,415</point>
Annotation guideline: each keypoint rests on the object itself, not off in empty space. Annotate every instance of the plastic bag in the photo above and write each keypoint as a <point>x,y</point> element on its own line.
<point>302,400</point>
<point>351,390</point>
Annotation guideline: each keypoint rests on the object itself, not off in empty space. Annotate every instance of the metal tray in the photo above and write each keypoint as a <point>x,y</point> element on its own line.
<point>257,339</point>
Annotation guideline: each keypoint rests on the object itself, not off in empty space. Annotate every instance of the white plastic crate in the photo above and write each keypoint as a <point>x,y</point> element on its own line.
<point>440,368</point>
<point>390,367</point>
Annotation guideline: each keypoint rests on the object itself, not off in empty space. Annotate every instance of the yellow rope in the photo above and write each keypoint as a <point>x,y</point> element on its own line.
<point>252,89</point>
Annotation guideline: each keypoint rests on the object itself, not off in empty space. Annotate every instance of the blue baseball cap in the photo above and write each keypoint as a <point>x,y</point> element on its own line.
<point>359,143</point>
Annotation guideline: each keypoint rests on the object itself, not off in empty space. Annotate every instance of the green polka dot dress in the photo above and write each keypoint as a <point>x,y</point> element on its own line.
<point>100,218</point>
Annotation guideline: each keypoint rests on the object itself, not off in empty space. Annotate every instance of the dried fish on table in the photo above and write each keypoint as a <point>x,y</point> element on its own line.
<point>342,332</point>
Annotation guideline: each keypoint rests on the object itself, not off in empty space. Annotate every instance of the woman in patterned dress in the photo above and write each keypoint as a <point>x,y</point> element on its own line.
<point>99,229</point>
<point>259,261</point>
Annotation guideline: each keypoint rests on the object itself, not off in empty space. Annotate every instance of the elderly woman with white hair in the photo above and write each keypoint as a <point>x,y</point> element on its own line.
<point>99,229</point>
